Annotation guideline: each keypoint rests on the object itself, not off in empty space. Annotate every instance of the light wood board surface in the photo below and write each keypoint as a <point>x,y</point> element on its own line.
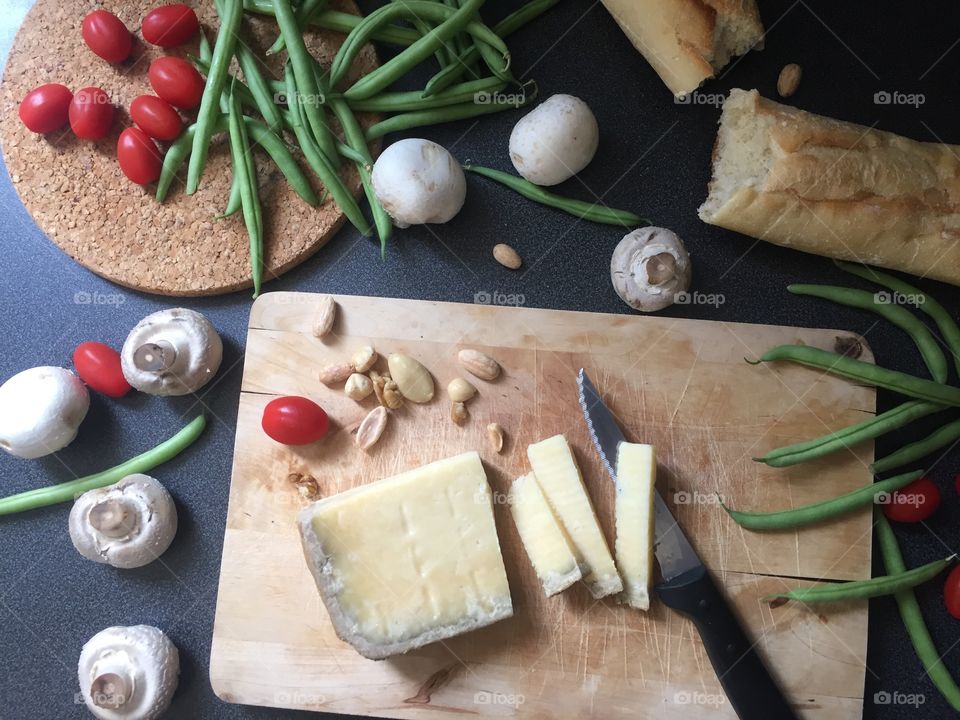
<point>681,385</point>
<point>78,196</point>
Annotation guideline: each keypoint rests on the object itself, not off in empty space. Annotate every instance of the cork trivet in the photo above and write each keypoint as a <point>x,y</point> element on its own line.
<point>79,197</point>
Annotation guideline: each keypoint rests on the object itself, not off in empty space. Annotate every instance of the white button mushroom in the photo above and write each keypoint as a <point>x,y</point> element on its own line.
<point>555,140</point>
<point>128,673</point>
<point>418,181</point>
<point>125,525</point>
<point>40,411</point>
<point>171,352</point>
<point>649,268</point>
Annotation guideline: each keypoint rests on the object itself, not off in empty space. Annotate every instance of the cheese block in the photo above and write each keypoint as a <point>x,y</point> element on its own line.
<point>559,478</point>
<point>636,477</point>
<point>543,538</point>
<point>409,560</point>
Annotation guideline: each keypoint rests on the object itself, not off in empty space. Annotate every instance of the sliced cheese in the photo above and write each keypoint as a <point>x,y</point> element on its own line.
<point>543,538</point>
<point>636,477</point>
<point>560,480</point>
<point>409,560</point>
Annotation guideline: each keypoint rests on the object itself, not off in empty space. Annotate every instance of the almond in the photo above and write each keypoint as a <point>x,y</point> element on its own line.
<point>507,256</point>
<point>479,364</point>
<point>789,79</point>
<point>326,314</point>
<point>371,428</point>
<point>412,378</point>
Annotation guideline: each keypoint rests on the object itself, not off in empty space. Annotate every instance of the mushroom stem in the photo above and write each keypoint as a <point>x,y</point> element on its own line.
<point>111,690</point>
<point>113,518</point>
<point>155,357</point>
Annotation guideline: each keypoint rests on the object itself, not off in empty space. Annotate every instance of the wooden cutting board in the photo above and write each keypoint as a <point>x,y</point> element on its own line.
<point>78,196</point>
<point>682,385</point>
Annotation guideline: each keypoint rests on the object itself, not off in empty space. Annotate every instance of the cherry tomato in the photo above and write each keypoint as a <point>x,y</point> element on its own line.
<point>46,108</point>
<point>91,113</point>
<point>951,592</point>
<point>294,420</point>
<point>107,36</point>
<point>98,365</point>
<point>914,502</point>
<point>176,81</point>
<point>155,117</point>
<point>138,156</point>
<point>169,25</point>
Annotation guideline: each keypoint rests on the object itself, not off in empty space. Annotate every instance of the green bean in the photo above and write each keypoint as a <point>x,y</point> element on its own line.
<point>143,463</point>
<point>173,160</point>
<point>342,22</point>
<point>206,52</point>
<point>320,165</point>
<point>926,304</point>
<point>355,139</point>
<point>849,436</point>
<point>359,37</point>
<point>350,154</point>
<point>246,96</point>
<point>235,200</point>
<point>281,155</point>
<point>452,73</point>
<point>303,13</point>
<point>307,89</point>
<point>866,589</point>
<point>523,15</point>
<point>932,355</point>
<point>443,54</point>
<point>930,658</point>
<point>940,438</point>
<point>398,66</point>
<point>825,510</point>
<point>866,373</point>
<point>216,81</point>
<point>259,87</point>
<point>414,101</point>
<point>249,196</point>
<point>458,41</point>
<point>448,113</point>
<point>579,208</point>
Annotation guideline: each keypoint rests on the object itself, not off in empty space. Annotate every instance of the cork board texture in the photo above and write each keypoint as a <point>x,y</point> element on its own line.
<point>77,194</point>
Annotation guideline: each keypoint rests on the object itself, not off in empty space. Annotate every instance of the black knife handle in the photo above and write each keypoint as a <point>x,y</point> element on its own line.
<point>750,688</point>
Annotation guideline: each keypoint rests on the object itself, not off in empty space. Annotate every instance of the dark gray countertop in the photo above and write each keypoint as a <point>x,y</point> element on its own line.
<point>653,158</point>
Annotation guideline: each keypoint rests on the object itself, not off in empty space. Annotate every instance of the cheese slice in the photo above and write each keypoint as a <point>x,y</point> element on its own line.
<point>543,538</point>
<point>409,560</point>
<point>636,477</point>
<point>562,484</point>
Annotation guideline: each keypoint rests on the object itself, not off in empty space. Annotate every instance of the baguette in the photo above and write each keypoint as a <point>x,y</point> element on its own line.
<point>834,188</point>
<point>688,41</point>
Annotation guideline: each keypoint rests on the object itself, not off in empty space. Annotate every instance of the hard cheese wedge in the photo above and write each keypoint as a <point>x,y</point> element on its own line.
<point>544,540</point>
<point>560,480</point>
<point>409,560</point>
<point>636,477</point>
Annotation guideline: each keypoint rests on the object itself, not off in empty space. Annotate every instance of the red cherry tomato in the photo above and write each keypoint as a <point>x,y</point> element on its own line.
<point>176,81</point>
<point>98,365</point>
<point>107,36</point>
<point>169,25</point>
<point>951,592</point>
<point>138,156</point>
<point>91,113</point>
<point>46,108</point>
<point>914,502</point>
<point>155,117</point>
<point>294,420</point>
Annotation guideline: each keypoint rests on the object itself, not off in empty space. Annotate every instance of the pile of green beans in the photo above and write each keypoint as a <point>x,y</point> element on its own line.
<point>246,172</point>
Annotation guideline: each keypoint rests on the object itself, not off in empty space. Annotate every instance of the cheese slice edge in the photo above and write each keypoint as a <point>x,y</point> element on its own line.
<point>636,479</point>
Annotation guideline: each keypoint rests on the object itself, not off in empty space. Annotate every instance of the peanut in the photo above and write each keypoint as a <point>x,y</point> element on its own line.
<point>371,428</point>
<point>495,434</point>
<point>335,373</point>
<point>507,256</point>
<point>789,79</point>
<point>460,390</point>
<point>459,413</point>
<point>358,387</point>
<point>413,379</point>
<point>364,359</point>
<point>326,314</point>
<point>479,364</point>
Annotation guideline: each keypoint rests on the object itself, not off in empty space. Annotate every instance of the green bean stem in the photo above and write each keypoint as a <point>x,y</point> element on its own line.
<point>249,196</point>
<point>216,81</point>
<point>578,208</point>
<point>866,589</point>
<point>926,304</point>
<point>145,462</point>
<point>942,437</point>
<point>930,658</point>
<point>849,436</point>
<point>825,510</point>
<point>932,355</point>
<point>866,373</point>
<point>303,13</point>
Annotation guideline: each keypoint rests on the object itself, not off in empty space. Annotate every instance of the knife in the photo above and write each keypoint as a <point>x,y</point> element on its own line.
<point>688,587</point>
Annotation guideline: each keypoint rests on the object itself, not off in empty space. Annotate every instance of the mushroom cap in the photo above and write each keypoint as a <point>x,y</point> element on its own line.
<point>141,655</point>
<point>555,140</point>
<point>198,347</point>
<point>144,519</point>
<point>649,268</point>
<point>418,181</point>
<point>41,410</point>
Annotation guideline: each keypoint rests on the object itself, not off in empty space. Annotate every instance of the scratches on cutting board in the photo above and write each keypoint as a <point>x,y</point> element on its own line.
<point>686,385</point>
<point>431,685</point>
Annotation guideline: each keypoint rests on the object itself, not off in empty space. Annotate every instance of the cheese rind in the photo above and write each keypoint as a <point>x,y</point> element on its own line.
<point>562,484</point>
<point>409,560</point>
<point>543,538</point>
<point>636,478</point>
